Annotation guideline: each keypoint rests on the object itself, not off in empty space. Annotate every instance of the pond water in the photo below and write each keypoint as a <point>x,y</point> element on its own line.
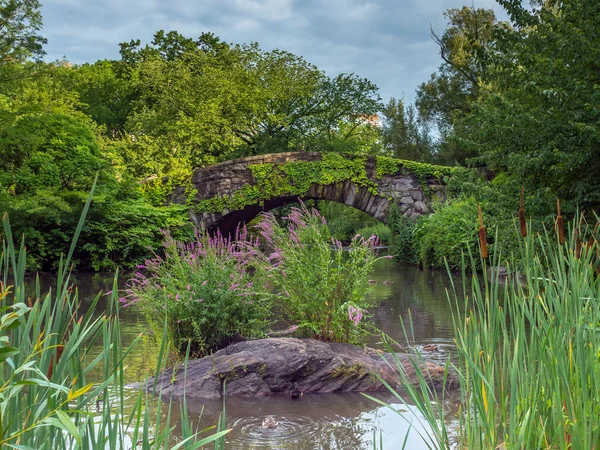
<point>332,421</point>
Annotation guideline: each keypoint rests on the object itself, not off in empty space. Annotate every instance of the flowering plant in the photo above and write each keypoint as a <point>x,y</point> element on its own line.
<point>319,286</point>
<point>209,291</point>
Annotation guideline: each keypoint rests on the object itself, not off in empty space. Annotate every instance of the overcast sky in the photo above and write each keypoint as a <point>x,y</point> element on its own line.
<point>386,41</point>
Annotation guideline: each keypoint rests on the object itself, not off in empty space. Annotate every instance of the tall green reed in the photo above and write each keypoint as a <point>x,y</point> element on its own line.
<point>528,350</point>
<point>46,401</point>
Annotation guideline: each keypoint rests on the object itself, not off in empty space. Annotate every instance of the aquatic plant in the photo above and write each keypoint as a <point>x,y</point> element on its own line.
<point>46,399</point>
<point>209,291</point>
<point>319,286</point>
<point>528,353</point>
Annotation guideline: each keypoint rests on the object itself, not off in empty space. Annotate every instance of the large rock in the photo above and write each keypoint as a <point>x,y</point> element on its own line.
<point>267,366</point>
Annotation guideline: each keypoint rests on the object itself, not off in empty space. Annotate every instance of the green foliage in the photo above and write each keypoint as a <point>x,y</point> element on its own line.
<point>451,92</point>
<point>344,221</point>
<point>205,101</point>
<point>48,163</point>
<point>158,191</point>
<point>118,232</point>
<point>380,230</point>
<point>20,20</point>
<point>50,151</point>
<point>105,96</point>
<point>402,241</point>
<point>539,121</point>
<point>354,136</point>
<point>320,288</point>
<point>124,233</point>
<point>527,354</point>
<point>423,171</point>
<point>451,229</point>
<point>447,234</point>
<point>296,178</point>
<point>48,399</point>
<point>208,292</point>
<point>405,136</point>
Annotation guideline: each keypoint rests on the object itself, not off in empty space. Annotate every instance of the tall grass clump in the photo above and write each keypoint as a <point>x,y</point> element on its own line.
<point>320,288</point>
<point>528,350</point>
<point>208,291</point>
<point>46,400</point>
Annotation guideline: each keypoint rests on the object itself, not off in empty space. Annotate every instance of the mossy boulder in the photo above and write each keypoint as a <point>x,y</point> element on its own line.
<point>267,366</point>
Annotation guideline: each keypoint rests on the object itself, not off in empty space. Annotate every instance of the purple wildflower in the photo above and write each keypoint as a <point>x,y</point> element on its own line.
<point>355,315</point>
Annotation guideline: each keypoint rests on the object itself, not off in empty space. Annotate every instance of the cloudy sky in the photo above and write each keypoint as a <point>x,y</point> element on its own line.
<point>386,41</point>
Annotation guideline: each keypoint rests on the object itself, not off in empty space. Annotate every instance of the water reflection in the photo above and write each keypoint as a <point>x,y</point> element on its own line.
<point>332,421</point>
<point>329,421</point>
<point>423,293</point>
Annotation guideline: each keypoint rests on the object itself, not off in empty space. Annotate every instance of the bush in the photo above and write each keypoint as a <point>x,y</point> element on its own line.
<point>208,292</point>
<point>402,240</point>
<point>344,221</point>
<point>48,163</point>
<point>381,230</point>
<point>117,233</point>
<point>320,288</point>
<point>447,234</point>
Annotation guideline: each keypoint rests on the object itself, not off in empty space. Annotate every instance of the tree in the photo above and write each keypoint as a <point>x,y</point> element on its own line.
<point>104,95</point>
<point>540,124</point>
<point>48,152</point>
<point>405,136</point>
<point>450,93</point>
<point>201,102</point>
<point>20,20</point>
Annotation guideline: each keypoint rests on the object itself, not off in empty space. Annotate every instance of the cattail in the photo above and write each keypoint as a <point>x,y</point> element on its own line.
<point>482,236</point>
<point>577,244</point>
<point>522,221</point>
<point>54,360</point>
<point>560,225</point>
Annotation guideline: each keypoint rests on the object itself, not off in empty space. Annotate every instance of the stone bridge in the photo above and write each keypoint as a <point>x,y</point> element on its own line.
<point>236,191</point>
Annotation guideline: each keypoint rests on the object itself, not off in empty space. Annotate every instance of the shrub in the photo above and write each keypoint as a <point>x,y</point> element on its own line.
<point>402,240</point>
<point>381,230</point>
<point>208,291</point>
<point>117,232</point>
<point>447,234</point>
<point>320,288</point>
<point>344,221</point>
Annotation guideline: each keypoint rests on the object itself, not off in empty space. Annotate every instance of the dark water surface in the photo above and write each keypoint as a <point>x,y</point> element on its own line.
<point>331,421</point>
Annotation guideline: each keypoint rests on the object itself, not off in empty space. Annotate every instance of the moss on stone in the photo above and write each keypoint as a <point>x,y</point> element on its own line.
<point>295,178</point>
<point>357,370</point>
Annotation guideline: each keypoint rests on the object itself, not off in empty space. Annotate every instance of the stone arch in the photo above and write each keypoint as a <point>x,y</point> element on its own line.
<point>231,192</point>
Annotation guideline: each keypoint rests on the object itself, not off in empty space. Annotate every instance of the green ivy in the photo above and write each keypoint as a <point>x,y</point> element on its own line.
<point>423,171</point>
<point>158,190</point>
<point>297,177</point>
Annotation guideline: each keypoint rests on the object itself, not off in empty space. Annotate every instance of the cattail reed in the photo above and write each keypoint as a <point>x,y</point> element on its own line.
<point>54,360</point>
<point>560,225</point>
<point>577,243</point>
<point>522,221</point>
<point>482,236</point>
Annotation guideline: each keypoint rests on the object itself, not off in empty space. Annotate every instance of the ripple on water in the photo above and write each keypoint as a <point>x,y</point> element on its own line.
<point>249,433</point>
